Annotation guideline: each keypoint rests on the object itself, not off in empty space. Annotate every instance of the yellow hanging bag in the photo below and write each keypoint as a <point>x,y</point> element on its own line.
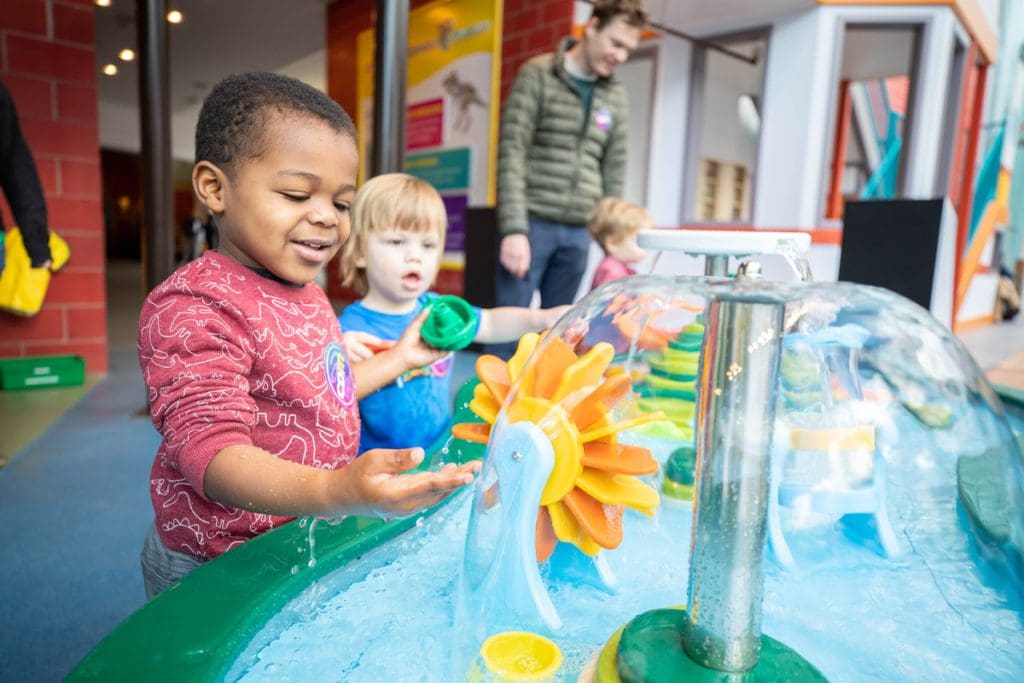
<point>22,287</point>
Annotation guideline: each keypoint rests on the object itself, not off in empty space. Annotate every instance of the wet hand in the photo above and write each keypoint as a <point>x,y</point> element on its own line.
<point>515,254</point>
<point>373,484</point>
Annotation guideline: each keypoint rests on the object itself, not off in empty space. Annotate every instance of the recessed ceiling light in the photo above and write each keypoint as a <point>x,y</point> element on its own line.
<point>175,17</point>
<point>126,54</point>
<point>102,3</point>
<point>110,69</point>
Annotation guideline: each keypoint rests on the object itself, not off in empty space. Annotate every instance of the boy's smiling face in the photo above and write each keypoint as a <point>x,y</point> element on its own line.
<point>288,210</point>
<point>400,267</point>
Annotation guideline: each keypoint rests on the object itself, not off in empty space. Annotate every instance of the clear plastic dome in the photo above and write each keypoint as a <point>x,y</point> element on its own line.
<point>858,485</point>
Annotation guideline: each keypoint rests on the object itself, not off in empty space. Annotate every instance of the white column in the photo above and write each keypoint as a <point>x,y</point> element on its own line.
<point>798,98</point>
<point>930,87</point>
<point>668,131</point>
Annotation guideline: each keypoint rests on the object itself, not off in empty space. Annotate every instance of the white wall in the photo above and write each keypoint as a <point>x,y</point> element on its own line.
<point>799,88</point>
<point>721,135</point>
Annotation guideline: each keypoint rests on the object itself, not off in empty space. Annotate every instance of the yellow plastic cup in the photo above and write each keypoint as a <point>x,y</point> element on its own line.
<point>520,657</point>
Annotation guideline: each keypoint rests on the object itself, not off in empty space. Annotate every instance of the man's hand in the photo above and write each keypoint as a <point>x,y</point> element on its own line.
<point>515,254</point>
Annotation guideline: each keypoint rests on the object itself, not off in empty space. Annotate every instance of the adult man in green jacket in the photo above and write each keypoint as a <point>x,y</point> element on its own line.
<point>562,148</point>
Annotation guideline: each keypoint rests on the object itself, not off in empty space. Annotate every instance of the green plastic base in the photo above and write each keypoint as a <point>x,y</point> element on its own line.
<point>650,650</point>
<point>676,490</point>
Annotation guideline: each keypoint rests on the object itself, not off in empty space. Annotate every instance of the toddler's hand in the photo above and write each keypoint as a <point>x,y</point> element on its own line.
<point>415,352</point>
<point>360,345</point>
<point>552,315</point>
<point>371,485</point>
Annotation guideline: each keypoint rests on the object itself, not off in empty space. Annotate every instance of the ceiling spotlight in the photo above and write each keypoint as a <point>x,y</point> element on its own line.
<point>175,17</point>
<point>126,54</point>
<point>102,3</point>
<point>110,69</point>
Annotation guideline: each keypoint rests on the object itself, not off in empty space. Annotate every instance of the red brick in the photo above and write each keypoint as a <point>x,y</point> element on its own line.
<point>23,15</point>
<point>76,102</point>
<point>47,169</point>
<point>43,58</point>
<point>70,287</point>
<point>518,22</point>
<point>47,325</point>
<point>80,179</point>
<point>558,14</point>
<point>450,282</point>
<point>73,23</point>
<point>94,352</point>
<point>538,41</point>
<point>32,96</point>
<point>87,250</point>
<point>61,138</point>
<point>87,322</point>
<point>75,214</point>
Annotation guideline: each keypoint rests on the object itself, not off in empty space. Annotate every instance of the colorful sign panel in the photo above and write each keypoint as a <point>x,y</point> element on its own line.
<point>452,105</point>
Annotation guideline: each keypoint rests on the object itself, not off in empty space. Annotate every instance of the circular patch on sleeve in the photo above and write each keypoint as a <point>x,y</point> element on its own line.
<point>338,374</point>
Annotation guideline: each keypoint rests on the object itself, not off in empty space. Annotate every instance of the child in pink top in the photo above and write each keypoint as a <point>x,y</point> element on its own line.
<point>614,225</point>
<point>242,354</point>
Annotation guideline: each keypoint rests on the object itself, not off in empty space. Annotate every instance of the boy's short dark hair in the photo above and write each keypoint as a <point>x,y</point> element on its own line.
<point>234,114</point>
<point>633,12</point>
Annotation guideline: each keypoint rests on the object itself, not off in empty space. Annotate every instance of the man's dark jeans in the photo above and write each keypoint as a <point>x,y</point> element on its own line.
<point>558,258</point>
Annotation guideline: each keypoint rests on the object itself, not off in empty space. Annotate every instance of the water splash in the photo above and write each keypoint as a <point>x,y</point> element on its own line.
<point>797,260</point>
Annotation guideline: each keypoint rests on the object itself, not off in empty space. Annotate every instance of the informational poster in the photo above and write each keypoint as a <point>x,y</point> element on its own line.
<point>452,106</point>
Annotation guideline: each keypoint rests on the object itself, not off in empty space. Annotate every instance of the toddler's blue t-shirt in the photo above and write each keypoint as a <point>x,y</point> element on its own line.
<point>416,408</point>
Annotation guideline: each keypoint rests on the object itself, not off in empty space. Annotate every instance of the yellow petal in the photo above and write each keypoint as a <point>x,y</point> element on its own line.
<point>527,343</point>
<point>599,431</point>
<point>586,371</point>
<point>618,489</point>
<point>483,404</point>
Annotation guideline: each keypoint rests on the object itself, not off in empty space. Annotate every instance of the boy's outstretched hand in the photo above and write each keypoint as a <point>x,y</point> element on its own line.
<point>370,485</point>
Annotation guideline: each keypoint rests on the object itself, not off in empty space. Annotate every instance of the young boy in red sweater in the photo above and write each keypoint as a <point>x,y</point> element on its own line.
<point>241,352</point>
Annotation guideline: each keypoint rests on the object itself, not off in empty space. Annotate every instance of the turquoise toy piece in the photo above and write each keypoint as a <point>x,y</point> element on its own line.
<point>451,323</point>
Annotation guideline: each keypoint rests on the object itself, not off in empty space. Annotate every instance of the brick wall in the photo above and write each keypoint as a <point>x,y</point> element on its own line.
<point>532,27</point>
<point>47,61</point>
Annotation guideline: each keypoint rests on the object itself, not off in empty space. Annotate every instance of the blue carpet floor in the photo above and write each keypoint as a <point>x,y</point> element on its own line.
<point>74,508</point>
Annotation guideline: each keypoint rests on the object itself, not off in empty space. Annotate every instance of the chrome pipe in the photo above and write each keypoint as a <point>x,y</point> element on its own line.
<point>736,412</point>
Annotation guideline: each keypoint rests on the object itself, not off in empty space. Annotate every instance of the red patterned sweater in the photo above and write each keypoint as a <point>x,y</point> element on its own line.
<point>230,357</point>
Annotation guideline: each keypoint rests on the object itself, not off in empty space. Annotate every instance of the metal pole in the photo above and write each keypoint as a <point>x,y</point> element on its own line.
<point>736,408</point>
<point>392,35</point>
<point>154,110</point>
<point>716,265</point>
